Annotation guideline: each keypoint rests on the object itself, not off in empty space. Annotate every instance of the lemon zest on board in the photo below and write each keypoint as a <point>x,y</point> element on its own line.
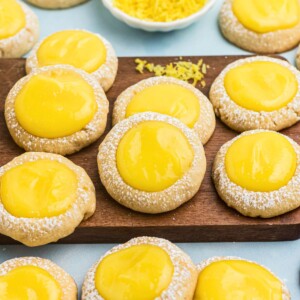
<point>183,70</point>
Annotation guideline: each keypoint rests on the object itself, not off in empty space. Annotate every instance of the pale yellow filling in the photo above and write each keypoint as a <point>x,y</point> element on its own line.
<point>264,16</point>
<point>261,162</point>
<point>38,189</point>
<point>237,280</point>
<point>12,18</point>
<point>29,283</point>
<point>261,85</point>
<point>55,104</point>
<point>138,272</point>
<point>169,99</point>
<point>153,155</point>
<point>81,49</point>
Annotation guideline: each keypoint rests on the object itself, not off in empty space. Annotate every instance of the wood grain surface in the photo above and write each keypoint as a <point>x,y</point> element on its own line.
<point>205,218</point>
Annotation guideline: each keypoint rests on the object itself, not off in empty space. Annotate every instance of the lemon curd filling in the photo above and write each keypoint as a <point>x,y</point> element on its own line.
<point>138,272</point>
<point>12,18</point>
<point>261,85</point>
<point>268,15</point>
<point>153,155</point>
<point>29,283</point>
<point>169,99</point>
<point>38,189</point>
<point>262,162</point>
<point>237,280</point>
<point>55,104</point>
<point>78,48</point>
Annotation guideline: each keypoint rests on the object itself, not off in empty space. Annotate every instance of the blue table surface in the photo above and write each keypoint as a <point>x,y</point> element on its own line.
<point>202,38</point>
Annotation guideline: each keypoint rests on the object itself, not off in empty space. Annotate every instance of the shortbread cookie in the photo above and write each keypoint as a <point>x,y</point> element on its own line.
<point>170,96</point>
<point>56,109</point>
<point>19,28</point>
<point>151,163</point>
<point>257,93</point>
<point>258,173</point>
<point>222,278</point>
<point>43,198</point>
<point>79,48</point>
<point>268,26</point>
<point>52,4</point>
<point>35,278</point>
<point>144,268</point>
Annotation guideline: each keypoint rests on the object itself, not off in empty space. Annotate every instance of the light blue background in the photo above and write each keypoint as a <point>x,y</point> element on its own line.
<point>202,38</point>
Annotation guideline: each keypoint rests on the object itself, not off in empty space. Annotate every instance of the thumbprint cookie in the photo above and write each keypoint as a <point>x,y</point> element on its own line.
<point>56,109</point>
<point>257,93</point>
<point>144,268</point>
<point>79,48</point>
<point>151,163</point>
<point>169,96</point>
<point>232,278</point>
<point>31,278</point>
<point>258,173</point>
<point>53,4</point>
<point>19,28</point>
<point>43,198</point>
<point>268,26</point>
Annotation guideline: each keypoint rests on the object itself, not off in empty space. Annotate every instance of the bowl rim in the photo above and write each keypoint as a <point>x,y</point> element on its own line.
<point>109,5</point>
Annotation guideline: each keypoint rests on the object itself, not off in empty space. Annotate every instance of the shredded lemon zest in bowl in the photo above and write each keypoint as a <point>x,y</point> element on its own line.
<point>184,70</point>
<point>159,10</point>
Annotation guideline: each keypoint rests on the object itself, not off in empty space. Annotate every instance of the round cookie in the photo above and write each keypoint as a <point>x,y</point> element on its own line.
<point>230,277</point>
<point>257,93</point>
<point>36,278</point>
<point>170,96</point>
<point>56,109</point>
<point>79,48</point>
<point>19,29</point>
<point>253,26</point>
<point>144,268</point>
<point>151,163</point>
<point>53,4</point>
<point>67,192</point>
<point>258,173</point>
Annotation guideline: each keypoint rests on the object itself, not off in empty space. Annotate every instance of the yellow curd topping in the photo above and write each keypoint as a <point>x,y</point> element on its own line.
<point>38,189</point>
<point>169,99</point>
<point>138,272</point>
<point>55,104</point>
<point>267,15</point>
<point>153,155</point>
<point>262,162</point>
<point>159,10</point>
<point>12,18</point>
<point>29,283</point>
<point>261,86</point>
<point>237,280</point>
<point>83,50</point>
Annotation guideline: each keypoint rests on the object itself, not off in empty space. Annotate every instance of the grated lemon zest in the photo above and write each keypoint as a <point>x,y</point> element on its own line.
<point>183,70</point>
<point>160,10</point>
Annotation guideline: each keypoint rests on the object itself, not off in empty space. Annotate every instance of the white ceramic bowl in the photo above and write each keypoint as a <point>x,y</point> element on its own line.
<point>157,26</point>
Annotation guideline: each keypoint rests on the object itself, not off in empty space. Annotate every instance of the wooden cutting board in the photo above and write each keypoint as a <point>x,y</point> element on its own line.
<point>203,219</point>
